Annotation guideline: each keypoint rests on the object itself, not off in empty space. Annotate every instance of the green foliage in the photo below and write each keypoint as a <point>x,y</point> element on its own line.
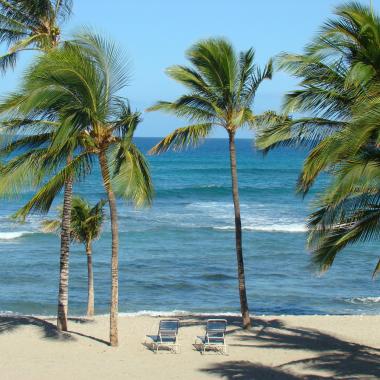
<point>340,90</point>
<point>221,88</point>
<point>30,25</point>
<point>73,91</point>
<point>86,221</point>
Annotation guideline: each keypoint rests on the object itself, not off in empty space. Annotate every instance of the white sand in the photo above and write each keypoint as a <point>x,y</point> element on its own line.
<point>310,347</point>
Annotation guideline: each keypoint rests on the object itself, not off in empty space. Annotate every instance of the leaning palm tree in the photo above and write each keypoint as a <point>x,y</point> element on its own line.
<point>340,88</point>
<point>36,25</point>
<point>86,225</point>
<point>30,25</point>
<point>81,82</point>
<point>32,137</point>
<point>222,86</point>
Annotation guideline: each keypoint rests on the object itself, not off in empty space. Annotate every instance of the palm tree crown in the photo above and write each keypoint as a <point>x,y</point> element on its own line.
<point>86,221</point>
<point>222,87</point>
<point>30,25</point>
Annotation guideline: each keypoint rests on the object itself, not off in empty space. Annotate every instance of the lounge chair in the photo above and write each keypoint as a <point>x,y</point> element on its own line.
<point>214,337</point>
<point>167,336</point>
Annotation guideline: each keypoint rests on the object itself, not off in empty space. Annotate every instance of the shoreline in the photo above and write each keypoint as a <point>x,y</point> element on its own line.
<point>184,314</point>
<point>277,347</point>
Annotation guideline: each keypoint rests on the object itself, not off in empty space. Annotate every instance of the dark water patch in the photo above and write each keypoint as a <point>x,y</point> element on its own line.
<point>216,277</point>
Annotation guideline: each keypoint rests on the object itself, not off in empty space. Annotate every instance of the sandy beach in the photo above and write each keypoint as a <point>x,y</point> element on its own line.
<point>291,347</point>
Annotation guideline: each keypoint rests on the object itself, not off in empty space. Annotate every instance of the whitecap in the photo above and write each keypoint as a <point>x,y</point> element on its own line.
<point>13,235</point>
<point>363,300</point>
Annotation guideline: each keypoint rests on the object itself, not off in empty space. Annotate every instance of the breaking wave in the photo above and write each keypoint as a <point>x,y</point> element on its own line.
<point>363,300</point>
<point>13,235</point>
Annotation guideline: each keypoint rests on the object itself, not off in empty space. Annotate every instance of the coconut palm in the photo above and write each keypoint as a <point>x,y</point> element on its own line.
<point>80,82</point>
<point>86,225</point>
<point>35,25</point>
<point>340,73</point>
<point>30,169</point>
<point>30,25</point>
<point>222,86</point>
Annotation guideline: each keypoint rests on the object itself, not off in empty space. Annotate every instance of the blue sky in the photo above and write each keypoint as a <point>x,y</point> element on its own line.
<point>155,35</point>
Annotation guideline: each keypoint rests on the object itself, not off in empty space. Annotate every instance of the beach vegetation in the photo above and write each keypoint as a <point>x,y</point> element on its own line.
<point>35,25</point>
<point>339,90</point>
<point>79,84</point>
<point>221,86</point>
<point>86,226</point>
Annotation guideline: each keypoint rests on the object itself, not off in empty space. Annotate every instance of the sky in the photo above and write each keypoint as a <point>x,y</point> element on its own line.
<point>156,33</point>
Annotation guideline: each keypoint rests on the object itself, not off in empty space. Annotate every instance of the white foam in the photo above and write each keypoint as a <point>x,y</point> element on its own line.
<point>363,300</point>
<point>292,228</point>
<point>212,186</point>
<point>13,235</point>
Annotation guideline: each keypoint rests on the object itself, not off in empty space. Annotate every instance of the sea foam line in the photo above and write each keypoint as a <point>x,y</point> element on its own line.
<point>293,228</point>
<point>141,313</point>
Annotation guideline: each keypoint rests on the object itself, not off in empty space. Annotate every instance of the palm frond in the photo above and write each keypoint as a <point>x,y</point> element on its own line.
<point>131,174</point>
<point>190,136</point>
<point>354,219</point>
<point>43,198</point>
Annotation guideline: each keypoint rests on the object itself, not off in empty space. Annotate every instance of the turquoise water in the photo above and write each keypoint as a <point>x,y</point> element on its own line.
<point>179,254</point>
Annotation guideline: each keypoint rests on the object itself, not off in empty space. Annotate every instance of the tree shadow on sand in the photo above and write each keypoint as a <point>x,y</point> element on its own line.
<point>346,360</point>
<point>245,370</point>
<point>191,321</point>
<point>9,323</point>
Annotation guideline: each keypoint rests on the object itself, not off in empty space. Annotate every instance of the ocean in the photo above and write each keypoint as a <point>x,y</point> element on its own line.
<point>178,255</point>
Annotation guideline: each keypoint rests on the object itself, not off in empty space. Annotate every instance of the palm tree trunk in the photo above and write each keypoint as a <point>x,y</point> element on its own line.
<point>115,251</point>
<point>63,293</point>
<point>90,281</point>
<point>238,235</point>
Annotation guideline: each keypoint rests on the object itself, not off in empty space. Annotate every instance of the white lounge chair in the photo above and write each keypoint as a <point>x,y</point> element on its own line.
<point>167,336</point>
<point>214,337</point>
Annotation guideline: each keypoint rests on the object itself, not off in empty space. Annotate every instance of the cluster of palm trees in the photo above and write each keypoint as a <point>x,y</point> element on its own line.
<point>67,116</point>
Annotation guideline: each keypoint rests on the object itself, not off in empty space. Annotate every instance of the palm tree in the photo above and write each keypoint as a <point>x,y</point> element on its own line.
<point>222,86</point>
<point>340,73</point>
<point>80,82</point>
<point>86,225</point>
<point>35,25</point>
<point>32,162</point>
<point>30,25</point>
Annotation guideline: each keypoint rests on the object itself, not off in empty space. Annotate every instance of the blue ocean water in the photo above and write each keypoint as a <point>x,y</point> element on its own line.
<point>179,254</point>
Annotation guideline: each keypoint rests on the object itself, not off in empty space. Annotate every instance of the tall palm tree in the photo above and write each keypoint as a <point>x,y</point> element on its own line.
<point>36,25</point>
<point>222,86</point>
<point>33,162</point>
<point>81,82</point>
<point>340,88</point>
<point>30,25</point>
<point>86,226</point>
